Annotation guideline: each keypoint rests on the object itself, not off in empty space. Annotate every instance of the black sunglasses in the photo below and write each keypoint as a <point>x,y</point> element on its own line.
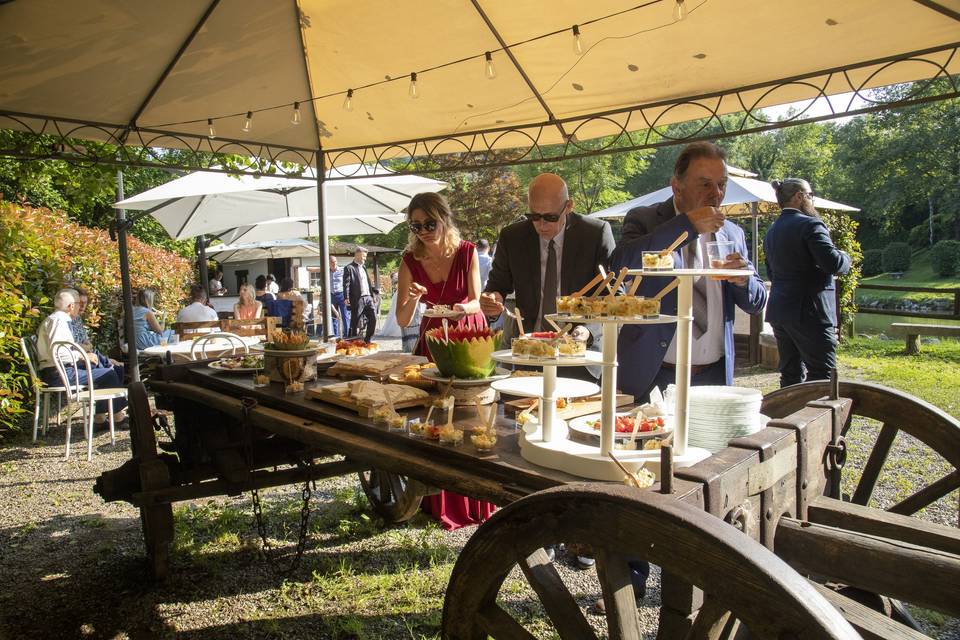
<point>417,227</point>
<point>549,217</point>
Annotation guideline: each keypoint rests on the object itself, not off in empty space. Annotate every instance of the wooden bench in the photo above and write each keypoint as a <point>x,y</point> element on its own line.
<point>912,333</point>
<point>261,327</point>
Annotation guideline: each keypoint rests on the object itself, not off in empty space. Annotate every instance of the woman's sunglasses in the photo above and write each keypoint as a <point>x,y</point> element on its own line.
<point>417,227</point>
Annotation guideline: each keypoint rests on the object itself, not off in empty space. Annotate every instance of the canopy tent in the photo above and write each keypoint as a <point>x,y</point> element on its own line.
<point>328,83</point>
<point>207,203</point>
<point>171,74</point>
<point>741,194</point>
<point>296,248</point>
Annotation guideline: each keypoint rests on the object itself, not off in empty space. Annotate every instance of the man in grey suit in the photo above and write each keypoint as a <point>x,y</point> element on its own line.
<point>553,252</point>
<point>801,263</point>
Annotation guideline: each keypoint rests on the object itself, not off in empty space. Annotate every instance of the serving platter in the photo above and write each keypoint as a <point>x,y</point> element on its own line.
<point>584,425</point>
<point>219,366</point>
<point>432,373</point>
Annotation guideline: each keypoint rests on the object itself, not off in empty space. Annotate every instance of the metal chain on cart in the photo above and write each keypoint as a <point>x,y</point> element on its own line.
<point>306,493</point>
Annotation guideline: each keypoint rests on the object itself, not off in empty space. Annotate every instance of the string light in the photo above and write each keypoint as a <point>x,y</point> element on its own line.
<point>248,122</point>
<point>679,11</point>
<point>414,92</point>
<point>295,119</point>
<point>211,132</point>
<point>490,71</point>
<point>348,101</point>
<point>577,42</point>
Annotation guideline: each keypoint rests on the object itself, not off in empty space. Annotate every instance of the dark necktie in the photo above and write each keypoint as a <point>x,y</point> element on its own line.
<point>700,317</point>
<point>549,285</point>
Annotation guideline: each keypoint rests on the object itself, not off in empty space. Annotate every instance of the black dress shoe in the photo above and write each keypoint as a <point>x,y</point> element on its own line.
<point>585,562</point>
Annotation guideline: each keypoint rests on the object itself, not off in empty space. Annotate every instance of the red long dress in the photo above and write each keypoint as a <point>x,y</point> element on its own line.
<point>451,509</point>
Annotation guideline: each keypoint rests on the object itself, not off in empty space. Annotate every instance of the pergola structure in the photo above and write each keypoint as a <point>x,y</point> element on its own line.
<point>260,88</point>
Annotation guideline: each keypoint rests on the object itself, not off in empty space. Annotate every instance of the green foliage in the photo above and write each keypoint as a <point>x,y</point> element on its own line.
<point>843,232</point>
<point>44,251</point>
<point>896,257</point>
<point>945,257</point>
<point>872,262</point>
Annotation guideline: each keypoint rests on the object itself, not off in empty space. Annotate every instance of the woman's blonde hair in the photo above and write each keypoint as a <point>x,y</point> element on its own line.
<point>251,293</point>
<point>436,208</point>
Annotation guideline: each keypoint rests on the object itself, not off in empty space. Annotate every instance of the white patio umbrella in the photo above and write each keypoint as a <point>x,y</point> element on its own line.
<point>210,203</point>
<point>302,227</point>
<point>245,252</point>
<point>741,194</point>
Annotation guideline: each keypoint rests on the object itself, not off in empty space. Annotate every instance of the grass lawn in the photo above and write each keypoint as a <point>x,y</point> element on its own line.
<point>933,375</point>
<point>920,274</point>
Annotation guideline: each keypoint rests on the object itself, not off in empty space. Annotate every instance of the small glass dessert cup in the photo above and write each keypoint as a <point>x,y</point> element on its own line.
<point>383,414</point>
<point>483,439</point>
<point>653,261</point>
<point>419,429</point>
<point>261,380</point>
<point>397,423</point>
<point>450,436</point>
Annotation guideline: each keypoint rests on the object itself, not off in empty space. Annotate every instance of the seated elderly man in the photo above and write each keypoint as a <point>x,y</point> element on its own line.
<point>56,328</point>
<point>82,337</point>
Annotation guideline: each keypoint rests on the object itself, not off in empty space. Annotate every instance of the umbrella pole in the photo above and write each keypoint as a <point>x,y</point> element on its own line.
<point>756,321</point>
<point>201,247</point>
<point>323,242</point>
<point>133,364</point>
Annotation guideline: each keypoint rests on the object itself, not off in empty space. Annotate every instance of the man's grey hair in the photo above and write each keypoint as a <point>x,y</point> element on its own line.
<point>64,298</point>
<point>789,187</point>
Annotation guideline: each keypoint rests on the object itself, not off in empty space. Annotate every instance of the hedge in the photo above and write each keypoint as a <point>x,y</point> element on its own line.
<point>872,262</point>
<point>43,251</point>
<point>945,257</point>
<point>896,257</point>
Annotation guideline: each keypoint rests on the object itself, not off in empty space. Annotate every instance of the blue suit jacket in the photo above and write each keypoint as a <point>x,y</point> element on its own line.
<point>801,262</point>
<point>641,348</point>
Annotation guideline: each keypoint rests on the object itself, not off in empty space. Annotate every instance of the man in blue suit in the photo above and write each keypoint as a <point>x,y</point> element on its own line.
<point>647,353</point>
<point>801,263</point>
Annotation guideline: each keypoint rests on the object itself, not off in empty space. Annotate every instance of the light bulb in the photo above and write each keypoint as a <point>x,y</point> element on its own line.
<point>414,92</point>
<point>490,71</point>
<point>248,122</point>
<point>295,119</point>
<point>577,42</point>
<point>348,101</point>
<point>679,11</point>
<point>211,132</point>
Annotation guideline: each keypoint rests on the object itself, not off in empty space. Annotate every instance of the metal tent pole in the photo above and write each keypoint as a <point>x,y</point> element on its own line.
<point>324,245</point>
<point>133,364</point>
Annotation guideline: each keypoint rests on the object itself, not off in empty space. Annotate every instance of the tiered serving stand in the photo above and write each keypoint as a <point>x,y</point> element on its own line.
<point>545,440</point>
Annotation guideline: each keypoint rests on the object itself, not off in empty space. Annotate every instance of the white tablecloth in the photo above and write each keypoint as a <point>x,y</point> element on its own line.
<point>181,351</point>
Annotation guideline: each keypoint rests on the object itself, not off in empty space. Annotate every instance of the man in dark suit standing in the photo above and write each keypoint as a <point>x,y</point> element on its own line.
<point>647,353</point>
<point>801,264</point>
<point>553,252</point>
<point>359,295</point>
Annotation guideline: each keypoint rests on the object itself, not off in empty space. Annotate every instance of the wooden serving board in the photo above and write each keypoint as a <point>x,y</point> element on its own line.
<point>574,408</point>
<point>350,367</point>
<point>325,395</point>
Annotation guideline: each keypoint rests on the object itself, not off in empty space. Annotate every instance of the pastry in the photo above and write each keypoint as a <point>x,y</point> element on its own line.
<point>652,260</point>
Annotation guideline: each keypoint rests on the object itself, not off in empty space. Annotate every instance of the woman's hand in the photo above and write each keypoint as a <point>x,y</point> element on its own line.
<point>416,291</point>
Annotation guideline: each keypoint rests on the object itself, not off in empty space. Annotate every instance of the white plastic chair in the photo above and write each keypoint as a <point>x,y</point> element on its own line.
<point>70,353</point>
<point>42,391</point>
<point>233,343</point>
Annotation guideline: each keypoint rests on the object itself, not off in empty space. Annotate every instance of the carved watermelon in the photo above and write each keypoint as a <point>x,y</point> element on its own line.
<point>466,354</point>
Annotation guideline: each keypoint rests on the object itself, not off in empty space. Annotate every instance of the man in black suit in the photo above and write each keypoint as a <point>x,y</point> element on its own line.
<point>801,263</point>
<point>359,295</point>
<point>553,252</point>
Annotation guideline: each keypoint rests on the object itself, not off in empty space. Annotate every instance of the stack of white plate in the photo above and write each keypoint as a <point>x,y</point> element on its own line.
<point>718,414</point>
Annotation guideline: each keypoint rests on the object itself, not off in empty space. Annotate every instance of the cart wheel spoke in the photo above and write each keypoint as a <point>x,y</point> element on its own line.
<point>928,495</point>
<point>871,471</point>
<point>501,625</point>
<point>711,621</point>
<point>397,486</point>
<point>559,604</point>
<point>621,605</point>
<point>383,488</point>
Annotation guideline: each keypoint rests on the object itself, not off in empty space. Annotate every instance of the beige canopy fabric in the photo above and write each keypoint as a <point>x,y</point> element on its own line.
<point>169,66</point>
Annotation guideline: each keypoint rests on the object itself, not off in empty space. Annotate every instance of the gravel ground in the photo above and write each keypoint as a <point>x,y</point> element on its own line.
<point>72,566</point>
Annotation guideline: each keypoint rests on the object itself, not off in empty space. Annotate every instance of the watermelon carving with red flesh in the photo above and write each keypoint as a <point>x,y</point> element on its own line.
<point>466,354</point>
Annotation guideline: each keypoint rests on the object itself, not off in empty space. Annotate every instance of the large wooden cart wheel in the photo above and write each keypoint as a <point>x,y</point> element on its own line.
<point>156,519</point>
<point>394,498</point>
<point>621,523</point>
<point>897,411</point>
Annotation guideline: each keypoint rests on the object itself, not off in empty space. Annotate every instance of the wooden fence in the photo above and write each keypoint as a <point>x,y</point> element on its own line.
<point>955,315</point>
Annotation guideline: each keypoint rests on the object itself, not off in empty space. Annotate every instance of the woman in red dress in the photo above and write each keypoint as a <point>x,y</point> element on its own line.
<point>440,268</point>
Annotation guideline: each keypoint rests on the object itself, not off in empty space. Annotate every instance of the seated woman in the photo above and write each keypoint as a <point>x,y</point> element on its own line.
<point>147,330</point>
<point>248,307</point>
<point>262,293</point>
<point>440,268</point>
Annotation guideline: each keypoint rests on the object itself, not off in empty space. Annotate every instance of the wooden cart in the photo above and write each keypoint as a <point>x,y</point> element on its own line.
<point>733,534</point>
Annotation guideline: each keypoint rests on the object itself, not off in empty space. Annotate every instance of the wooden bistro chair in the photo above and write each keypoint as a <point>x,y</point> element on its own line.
<point>215,341</point>
<point>255,328</point>
<point>41,390</point>
<point>87,396</point>
<point>191,330</point>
